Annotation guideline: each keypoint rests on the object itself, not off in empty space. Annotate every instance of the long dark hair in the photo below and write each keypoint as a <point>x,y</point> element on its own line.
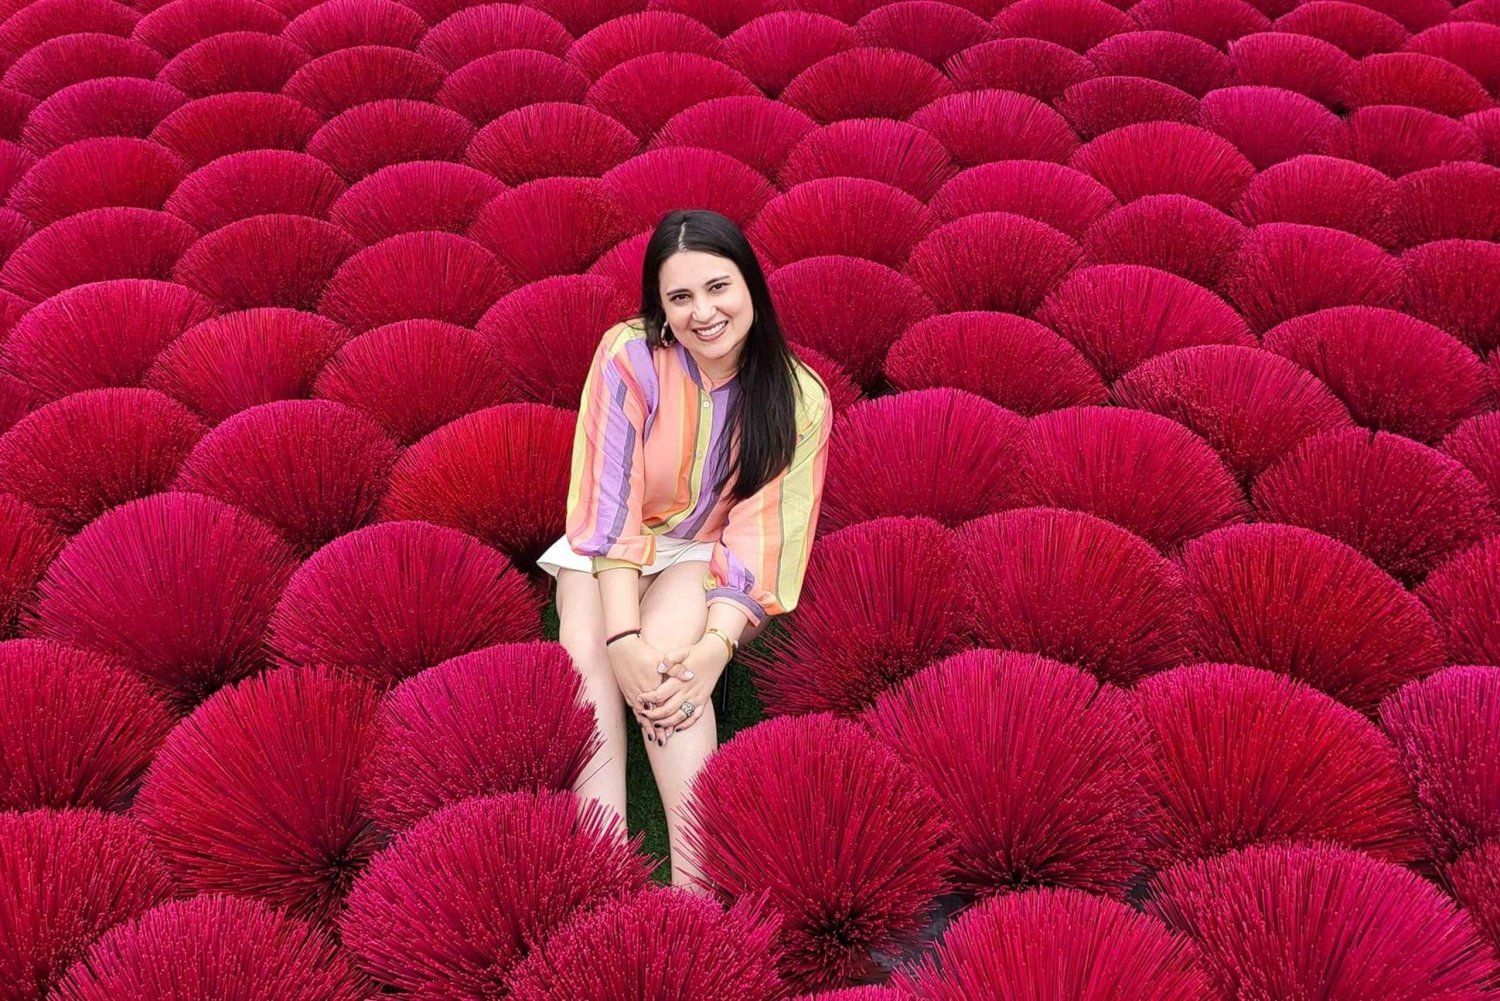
<point>763,416</point>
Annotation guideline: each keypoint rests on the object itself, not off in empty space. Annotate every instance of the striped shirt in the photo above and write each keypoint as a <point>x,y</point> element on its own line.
<point>646,459</point>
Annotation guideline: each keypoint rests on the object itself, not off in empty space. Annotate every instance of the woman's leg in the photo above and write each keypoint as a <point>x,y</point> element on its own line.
<point>674,613</point>
<point>581,632</point>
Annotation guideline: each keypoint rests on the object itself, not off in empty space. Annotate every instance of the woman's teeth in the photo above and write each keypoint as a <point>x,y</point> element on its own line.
<point>709,333</point>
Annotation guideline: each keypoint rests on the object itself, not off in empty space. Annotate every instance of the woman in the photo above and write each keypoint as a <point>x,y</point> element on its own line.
<point>697,478</point>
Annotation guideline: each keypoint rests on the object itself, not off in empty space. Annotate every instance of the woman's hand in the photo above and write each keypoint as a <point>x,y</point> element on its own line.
<point>636,666</point>
<point>693,670</point>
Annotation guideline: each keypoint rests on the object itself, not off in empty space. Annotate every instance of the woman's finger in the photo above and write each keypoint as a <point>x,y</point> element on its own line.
<point>670,725</point>
<point>666,690</point>
<point>674,669</point>
<point>665,711</point>
<point>681,721</point>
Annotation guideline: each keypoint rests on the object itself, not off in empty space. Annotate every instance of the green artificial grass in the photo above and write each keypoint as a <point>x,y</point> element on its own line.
<point>642,801</point>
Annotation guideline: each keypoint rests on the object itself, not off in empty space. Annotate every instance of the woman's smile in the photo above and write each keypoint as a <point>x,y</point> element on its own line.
<point>711,332</point>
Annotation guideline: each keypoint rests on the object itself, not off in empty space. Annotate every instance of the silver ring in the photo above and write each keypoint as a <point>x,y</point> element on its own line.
<point>687,709</point>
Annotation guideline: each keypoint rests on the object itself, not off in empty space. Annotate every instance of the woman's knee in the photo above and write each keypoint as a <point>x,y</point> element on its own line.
<point>580,629</point>
<point>590,661</point>
<point>674,611</point>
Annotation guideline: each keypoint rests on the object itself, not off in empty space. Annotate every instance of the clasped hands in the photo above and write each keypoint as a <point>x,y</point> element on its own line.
<point>656,684</point>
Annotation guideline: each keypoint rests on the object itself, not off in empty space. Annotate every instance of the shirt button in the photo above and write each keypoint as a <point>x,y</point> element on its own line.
<point>707,404</point>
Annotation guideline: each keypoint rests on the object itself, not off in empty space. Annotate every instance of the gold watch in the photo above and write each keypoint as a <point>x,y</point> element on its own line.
<point>732,646</point>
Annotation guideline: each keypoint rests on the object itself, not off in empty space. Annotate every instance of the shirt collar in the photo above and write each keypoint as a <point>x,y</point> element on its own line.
<point>685,357</point>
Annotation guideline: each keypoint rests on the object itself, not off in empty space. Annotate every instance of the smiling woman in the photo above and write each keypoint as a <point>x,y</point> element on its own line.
<point>697,479</point>
<point>718,338</point>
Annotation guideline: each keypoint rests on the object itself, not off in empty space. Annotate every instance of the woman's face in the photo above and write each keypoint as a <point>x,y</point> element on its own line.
<point>708,308</point>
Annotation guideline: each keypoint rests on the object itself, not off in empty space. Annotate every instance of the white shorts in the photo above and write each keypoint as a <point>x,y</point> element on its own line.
<point>560,556</point>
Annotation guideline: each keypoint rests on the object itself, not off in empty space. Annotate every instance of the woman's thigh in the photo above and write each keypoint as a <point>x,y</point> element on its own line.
<point>674,609</point>
<point>687,596</point>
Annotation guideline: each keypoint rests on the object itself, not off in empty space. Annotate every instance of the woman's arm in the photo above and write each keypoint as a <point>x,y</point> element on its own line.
<point>604,519</point>
<point>729,619</point>
<point>608,478</point>
<point>761,558</point>
<point>619,591</point>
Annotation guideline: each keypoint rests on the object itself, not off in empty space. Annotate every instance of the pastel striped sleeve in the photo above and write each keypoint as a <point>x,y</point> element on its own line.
<point>761,557</point>
<point>608,474</point>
